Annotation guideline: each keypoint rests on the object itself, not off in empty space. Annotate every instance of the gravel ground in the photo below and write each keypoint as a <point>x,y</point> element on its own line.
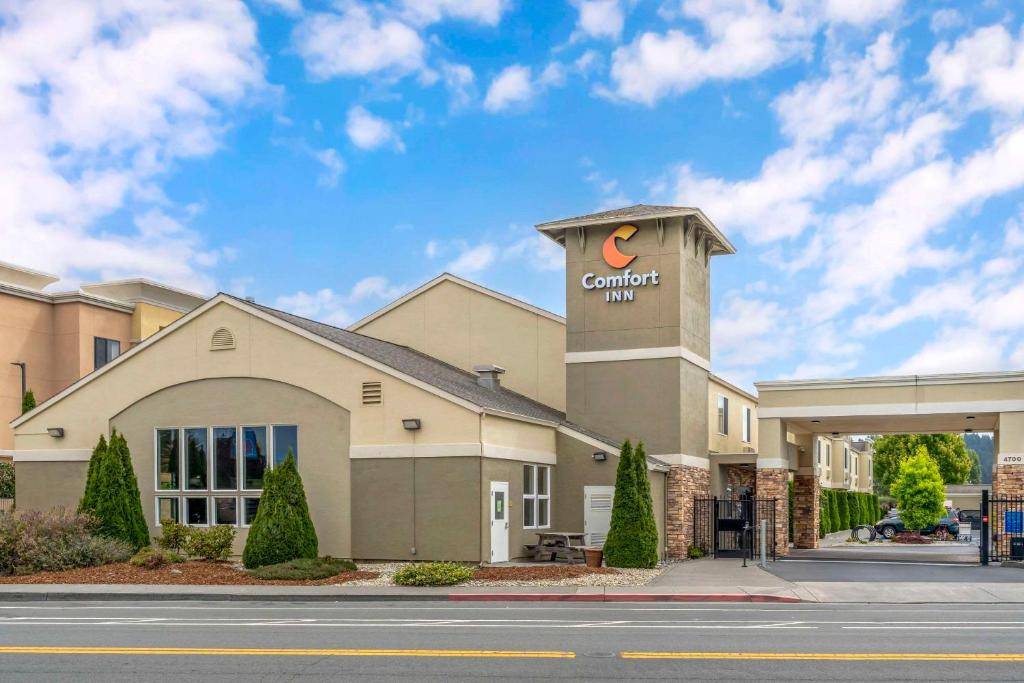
<point>617,577</point>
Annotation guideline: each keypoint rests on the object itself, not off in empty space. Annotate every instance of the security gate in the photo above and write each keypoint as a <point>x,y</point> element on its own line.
<point>731,527</point>
<point>1002,528</point>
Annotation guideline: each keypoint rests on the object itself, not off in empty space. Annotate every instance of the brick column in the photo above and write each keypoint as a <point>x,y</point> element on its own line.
<point>806,510</point>
<point>684,483</point>
<point>773,482</point>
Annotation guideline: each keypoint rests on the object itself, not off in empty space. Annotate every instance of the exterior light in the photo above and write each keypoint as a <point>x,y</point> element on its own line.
<point>970,417</point>
<point>600,456</point>
<point>835,433</point>
<point>55,432</point>
<point>411,423</point>
<point>817,422</point>
<point>968,431</point>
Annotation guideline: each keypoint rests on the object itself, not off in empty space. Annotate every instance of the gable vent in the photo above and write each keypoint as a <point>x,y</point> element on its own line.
<point>373,395</point>
<point>222,339</point>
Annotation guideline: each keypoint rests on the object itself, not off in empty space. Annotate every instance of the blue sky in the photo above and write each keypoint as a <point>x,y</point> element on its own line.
<point>867,158</point>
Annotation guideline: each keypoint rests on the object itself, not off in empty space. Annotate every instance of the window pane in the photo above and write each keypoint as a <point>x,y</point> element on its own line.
<point>249,508</point>
<point>286,438</point>
<point>167,459</point>
<point>499,505</point>
<point>527,479</point>
<point>196,511</point>
<point>255,462</point>
<point>542,512</point>
<point>104,351</point>
<point>226,510</point>
<point>529,518</point>
<point>542,480</point>
<point>225,458</point>
<point>167,508</point>
<point>195,458</point>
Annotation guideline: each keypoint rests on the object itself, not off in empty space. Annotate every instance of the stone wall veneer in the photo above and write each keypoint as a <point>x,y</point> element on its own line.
<point>773,482</point>
<point>806,510</point>
<point>684,484</point>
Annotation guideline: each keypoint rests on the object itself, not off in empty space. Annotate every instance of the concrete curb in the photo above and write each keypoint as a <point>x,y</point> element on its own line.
<point>619,597</point>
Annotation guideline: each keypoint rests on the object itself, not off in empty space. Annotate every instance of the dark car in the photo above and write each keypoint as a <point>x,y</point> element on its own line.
<point>892,524</point>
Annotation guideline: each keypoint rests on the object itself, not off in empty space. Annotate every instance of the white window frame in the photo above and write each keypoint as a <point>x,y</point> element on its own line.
<point>241,510</point>
<point>846,458</point>
<point>156,505</point>
<point>240,444</point>
<point>723,415</point>
<point>828,455</point>
<point>746,413</point>
<point>817,451</point>
<point>272,444</point>
<point>532,499</point>
<point>183,509</point>
<point>156,460</point>
<point>238,459</point>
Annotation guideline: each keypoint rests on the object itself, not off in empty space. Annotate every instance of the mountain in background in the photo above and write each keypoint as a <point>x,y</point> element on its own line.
<point>982,445</point>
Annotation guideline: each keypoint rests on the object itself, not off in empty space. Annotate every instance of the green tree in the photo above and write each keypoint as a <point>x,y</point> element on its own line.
<point>975,476</point>
<point>112,494</point>
<point>876,507</point>
<point>843,501</point>
<point>88,503</point>
<point>130,487</point>
<point>947,450</point>
<point>833,511</point>
<point>643,481</point>
<point>282,530</point>
<point>628,543</point>
<point>823,514</point>
<point>6,480</point>
<point>28,402</point>
<point>919,491</point>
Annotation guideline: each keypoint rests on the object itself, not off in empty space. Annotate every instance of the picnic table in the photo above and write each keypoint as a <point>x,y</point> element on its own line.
<point>558,545</point>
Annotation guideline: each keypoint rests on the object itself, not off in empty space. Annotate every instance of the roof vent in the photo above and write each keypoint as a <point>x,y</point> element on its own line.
<point>372,394</point>
<point>222,339</point>
<point>488,376</point>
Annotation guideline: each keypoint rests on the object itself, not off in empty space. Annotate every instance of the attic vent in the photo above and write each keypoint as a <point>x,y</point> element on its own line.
<point>372,394</point>
<point>222,339</point>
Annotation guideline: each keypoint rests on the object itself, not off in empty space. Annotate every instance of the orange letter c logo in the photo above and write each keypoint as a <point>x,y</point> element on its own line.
<point>612,256</point>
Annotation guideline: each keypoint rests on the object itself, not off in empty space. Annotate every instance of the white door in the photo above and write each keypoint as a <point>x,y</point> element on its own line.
<point>499,521</point>
<point>597,513</point>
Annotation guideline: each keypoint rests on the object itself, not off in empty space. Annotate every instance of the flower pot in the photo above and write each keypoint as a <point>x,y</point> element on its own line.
<point>593,556</point>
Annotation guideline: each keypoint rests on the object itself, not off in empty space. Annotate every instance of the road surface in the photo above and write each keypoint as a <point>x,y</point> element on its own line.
<point>221,641</point>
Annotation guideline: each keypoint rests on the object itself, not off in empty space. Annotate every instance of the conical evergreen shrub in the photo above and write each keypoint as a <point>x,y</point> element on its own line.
<point>28,402</point>
<point>649,529</point>
<point>136,518</point>
<point>114,499</point>
<point>629,538</point>
<point>88,503</point>
<point>282,530</point>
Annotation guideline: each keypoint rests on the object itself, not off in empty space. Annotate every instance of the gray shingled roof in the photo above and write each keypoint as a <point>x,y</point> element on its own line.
<point>636,211</point>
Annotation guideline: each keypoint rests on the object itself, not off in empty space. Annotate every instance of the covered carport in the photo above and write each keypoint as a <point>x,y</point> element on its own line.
<point>792,413</point>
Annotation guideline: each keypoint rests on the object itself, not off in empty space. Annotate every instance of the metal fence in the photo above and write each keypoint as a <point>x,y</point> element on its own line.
<point>1002,528</point>
<point>731,527</point>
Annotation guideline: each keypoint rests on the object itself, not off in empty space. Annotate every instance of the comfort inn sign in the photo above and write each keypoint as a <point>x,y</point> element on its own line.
<point>619,287</point>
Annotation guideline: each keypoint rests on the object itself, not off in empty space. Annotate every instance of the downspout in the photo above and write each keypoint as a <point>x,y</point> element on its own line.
<point>664,512</point>
<point>414,492</point>
<point>480,465</point>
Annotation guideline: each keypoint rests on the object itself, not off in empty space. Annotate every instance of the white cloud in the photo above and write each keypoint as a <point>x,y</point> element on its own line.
<point>473,259</point>
<point>352,42</point>
<point>333,167</point>
<point>1015,232</point>
<point>512,86</point>
<point>947,298</point>
<point>945,19</point>
<point>290,7</point>
<point>537,251</point>
<point>460,81</point>
<point>955,350</point>
<point>333,308</point>
<point>599,18</point>
<point>432,249</point>
<point>424,12</point>
<point>899,150</point>
<point>1017,359</point>
<point>370,132</point>
<point>747,332</point>
<point>860,12</point>
<point>97,102</point>
<point>987,66</point>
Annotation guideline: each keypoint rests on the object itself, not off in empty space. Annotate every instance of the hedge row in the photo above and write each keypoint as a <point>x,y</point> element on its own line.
<point>841,510</point>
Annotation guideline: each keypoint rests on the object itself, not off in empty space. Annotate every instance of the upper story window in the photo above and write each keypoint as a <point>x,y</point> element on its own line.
<point>817,451</point>
<point>723,415</point>
<point>104,351</point>
<point>828,455</point>
<point>846,457</point>
<point>746,423</point>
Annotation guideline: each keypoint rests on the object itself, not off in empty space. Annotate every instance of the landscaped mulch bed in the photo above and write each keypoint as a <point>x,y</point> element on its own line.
<point>193,572</point>
<point>911,539</point>
<point>553,572</point>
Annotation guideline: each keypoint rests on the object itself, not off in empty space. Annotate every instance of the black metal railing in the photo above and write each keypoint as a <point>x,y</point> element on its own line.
<point>1002,528</point>
<point>731,527</point>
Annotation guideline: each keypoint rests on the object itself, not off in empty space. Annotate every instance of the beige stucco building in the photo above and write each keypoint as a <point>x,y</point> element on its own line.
<point>55,338</point>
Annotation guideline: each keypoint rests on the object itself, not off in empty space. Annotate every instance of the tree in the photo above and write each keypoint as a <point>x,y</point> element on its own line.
<point>844,510</point>
<point>643,481</point>
<point>112,494</point>
<point>983,446</point>
<point>975,476</point>
<point>28,402</point>
<point>282,530</point>
<point>88,503</point>
<point>833,510</point>
<point>137,519</point>
<point>947,450</point>
<point>919,491</point>
<point>628,543</point>
<point>823,515</point>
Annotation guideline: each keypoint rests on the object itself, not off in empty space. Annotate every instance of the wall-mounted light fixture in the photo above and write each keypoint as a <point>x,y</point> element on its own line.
<point>835,433</point>
<point>55,432</point>
<point>968,431</point>
<point>970,417</point>
<point>600,456</point>
<point>411,423</point>
<point>817,422</point>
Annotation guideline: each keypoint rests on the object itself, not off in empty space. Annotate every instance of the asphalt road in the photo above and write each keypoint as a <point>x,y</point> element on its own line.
<point>521,641</point>
<point>893,572</point>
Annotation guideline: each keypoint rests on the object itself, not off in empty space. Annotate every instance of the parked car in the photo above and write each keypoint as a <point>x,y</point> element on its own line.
<point>891,524</point>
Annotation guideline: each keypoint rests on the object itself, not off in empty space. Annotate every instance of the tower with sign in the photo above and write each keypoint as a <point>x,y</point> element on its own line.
<point>638,347</point>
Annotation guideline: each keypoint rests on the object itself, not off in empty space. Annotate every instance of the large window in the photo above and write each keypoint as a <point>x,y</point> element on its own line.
<point>746,424</point>
<point>723,415</point>
<point>236,458</point>
<point>536,496</point>
<point>104,351</point>
<point>846,457</point>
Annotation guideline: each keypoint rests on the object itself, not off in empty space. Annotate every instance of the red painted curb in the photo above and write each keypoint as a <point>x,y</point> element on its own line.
<point>619,597</point>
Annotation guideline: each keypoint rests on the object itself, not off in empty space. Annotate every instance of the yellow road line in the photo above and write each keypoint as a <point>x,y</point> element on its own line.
<point>289,652</point>
<point>831,656</point>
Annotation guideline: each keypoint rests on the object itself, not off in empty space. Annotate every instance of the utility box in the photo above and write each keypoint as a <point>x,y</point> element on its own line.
<point>1017,548</point>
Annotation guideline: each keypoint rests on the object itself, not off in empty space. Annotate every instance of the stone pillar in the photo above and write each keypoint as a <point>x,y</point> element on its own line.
<point>685,482</point>
<point>1008,478</point>
<point>806,510</point>
<point>773,482</point>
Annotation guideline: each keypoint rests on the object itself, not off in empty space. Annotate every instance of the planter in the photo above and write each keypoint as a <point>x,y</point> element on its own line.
<point>593,556</point>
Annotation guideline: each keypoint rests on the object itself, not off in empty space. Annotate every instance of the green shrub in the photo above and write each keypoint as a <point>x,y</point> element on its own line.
<point>87,505</point>
<point>54,541</point>
<point>304,569</point>
<point>210,543</point>
<point>844,510</point>
<point>172,535</point>
<point>28,402</point>
<point>919,491</point>
<point>282,529</point>
<point>112,494</point>
<point>632,540</point>
<point>695,552</point>
<point>833,508</point>
<point>6,480</point>
<point>791,502</point>
<point>154,558</point>
<point>823,514</point>
<point>433,574</point>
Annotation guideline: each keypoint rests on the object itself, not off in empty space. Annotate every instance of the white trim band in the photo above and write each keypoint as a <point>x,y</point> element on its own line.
<point>53,455</point>
<point>423,450</point>
<point>772,464</point>
<point>884,409</point>
<point>521,454</point>
<point>701,461</point>
<point>638,354</point>
<point>1010,459</point>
